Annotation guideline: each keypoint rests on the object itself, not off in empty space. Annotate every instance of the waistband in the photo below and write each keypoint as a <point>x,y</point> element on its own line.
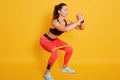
<point>48,37</point>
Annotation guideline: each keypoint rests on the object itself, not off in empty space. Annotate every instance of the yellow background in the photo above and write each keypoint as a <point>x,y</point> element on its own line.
<point>96,49</point>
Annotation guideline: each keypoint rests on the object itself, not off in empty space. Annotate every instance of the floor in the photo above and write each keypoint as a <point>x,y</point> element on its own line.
<point>33,71</point>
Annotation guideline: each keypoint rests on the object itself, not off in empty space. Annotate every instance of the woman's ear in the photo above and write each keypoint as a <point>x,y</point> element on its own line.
<point>59,11</point>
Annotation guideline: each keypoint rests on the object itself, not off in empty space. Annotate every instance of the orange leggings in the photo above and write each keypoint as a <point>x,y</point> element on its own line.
<point>53,46</point>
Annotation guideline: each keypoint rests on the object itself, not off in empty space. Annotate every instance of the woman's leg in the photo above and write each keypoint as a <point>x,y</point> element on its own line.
<point>52,59</point>
<point>64,46</point>
<point>49,46</point>
<point>68,52</point>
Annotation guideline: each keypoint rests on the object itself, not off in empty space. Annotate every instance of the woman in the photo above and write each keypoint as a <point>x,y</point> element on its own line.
<point>50,41</point>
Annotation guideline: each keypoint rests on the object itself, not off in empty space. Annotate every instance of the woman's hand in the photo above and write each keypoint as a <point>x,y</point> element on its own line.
<point>80,17</point>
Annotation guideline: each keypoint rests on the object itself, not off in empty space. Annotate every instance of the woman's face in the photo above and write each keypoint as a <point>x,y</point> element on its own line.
<point>63,12</point>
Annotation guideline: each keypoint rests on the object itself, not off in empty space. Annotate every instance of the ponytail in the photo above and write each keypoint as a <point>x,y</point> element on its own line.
<point>55,13</point>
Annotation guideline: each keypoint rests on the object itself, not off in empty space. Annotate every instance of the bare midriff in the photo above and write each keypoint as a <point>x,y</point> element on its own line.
<point>52,36</point>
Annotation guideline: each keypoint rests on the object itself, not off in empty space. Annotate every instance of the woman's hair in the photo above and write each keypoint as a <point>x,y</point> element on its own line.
<point>56,8</point>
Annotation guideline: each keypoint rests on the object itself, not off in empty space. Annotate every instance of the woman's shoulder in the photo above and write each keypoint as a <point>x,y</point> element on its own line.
<point>54,22</point>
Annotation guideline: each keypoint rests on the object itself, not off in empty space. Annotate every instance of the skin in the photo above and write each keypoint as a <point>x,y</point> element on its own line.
<point>70,25</point>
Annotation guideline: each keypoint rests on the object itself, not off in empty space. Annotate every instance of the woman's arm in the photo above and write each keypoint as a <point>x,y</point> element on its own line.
<point>67,28</point>
<point>80,27</point>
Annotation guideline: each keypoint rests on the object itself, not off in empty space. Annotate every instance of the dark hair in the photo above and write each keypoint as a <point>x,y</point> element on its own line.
<point>56,8</point>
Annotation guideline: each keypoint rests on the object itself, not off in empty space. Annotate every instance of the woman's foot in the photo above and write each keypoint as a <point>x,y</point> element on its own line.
<point>47,76</point>
<point>67,69</point>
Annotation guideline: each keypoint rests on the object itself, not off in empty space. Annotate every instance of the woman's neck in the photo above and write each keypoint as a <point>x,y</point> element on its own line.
<point>61,19</point>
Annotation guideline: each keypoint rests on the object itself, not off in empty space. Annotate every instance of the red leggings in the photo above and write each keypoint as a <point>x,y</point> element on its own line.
<point>53,46</point>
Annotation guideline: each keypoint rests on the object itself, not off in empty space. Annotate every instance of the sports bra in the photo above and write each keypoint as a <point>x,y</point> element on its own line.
<point>56,31</point>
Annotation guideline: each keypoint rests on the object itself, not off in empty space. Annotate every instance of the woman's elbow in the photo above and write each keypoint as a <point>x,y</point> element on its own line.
<point>82,28</point>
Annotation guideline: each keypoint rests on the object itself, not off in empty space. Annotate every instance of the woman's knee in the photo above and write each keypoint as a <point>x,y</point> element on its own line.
<point>69,49</point>
<point>55,52</point>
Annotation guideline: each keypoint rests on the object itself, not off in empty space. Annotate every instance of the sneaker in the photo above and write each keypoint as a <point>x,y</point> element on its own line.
<point>67,69</point>
<point>47,76</point>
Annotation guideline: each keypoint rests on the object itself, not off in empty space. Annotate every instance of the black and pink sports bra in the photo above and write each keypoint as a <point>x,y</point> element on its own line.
<point>56,31</point>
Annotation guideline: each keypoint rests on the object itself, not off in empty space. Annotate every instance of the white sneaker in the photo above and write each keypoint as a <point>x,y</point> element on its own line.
<point>47,76</point>
<point>67,69</point>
